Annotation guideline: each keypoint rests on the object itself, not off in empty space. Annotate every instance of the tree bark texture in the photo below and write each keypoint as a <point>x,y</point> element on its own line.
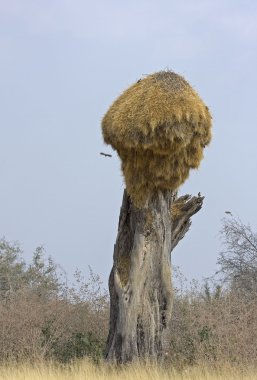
<point>140,281</point>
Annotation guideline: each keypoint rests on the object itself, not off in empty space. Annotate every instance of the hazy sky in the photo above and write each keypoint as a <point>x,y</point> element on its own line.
<point>62,63</point>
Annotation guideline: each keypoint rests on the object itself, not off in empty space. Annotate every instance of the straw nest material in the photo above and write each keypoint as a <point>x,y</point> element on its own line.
<point>159,127</point>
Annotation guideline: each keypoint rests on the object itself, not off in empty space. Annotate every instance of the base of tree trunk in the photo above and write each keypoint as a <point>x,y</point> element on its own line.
<point>140,281</point>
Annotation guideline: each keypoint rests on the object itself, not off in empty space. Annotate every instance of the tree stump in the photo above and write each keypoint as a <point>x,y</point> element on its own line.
<point>140,281</point>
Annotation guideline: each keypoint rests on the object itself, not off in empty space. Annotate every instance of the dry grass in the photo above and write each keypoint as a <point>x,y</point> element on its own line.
<point>86,370</point>
<point>159,127</point>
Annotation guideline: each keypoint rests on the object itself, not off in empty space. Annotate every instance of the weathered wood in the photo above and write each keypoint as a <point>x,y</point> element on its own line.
<point>140,281</point>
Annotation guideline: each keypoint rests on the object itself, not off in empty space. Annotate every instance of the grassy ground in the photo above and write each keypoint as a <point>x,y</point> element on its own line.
<point>86,371</point>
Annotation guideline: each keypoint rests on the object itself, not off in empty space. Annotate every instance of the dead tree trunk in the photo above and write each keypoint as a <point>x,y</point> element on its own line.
<point>140,281</point>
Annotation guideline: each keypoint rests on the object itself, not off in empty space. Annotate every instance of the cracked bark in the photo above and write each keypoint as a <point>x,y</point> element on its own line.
<point>140,281</point>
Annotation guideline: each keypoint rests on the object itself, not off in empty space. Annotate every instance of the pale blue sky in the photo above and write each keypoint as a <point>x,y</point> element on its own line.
<point>62,63</point>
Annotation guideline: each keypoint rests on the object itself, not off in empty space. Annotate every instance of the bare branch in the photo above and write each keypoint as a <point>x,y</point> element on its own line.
<point>182,210</point>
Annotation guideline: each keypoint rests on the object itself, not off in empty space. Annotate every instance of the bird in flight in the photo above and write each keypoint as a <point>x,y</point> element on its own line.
<point>228,212</point>
<point>106,154</point>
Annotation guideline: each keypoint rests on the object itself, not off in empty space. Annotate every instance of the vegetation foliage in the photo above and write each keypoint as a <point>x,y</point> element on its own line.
<point>41,316</point>
<point>44,317</point>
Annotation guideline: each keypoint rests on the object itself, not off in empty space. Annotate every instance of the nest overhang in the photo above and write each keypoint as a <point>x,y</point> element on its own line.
<point>159,126</point>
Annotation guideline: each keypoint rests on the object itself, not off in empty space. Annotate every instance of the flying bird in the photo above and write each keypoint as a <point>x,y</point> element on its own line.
<point>105,154</point>
<point>228,212</point>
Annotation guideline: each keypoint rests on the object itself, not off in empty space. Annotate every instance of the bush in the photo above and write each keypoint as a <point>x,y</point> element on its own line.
<point>212,328</point>
<point>42,317</point>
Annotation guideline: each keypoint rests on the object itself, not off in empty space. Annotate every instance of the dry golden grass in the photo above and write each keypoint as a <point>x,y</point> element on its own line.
<point>86,370</point>
<point>159,127</point>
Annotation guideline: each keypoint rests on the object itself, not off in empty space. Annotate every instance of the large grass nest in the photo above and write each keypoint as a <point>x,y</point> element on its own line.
<point>159,126</point>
